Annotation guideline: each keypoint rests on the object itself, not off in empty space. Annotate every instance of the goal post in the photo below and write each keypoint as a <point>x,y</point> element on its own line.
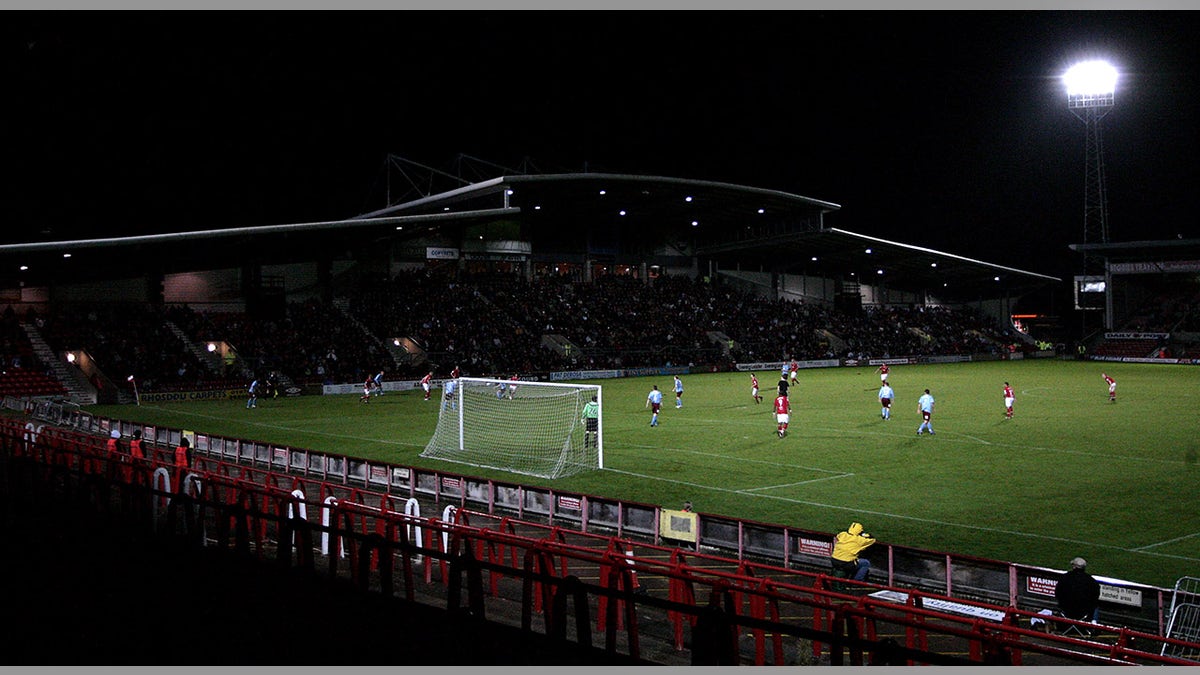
<point>533,428</point>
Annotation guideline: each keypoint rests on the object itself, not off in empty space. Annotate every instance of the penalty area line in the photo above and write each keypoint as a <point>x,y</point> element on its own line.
<point>1169,541</point>
<point>803,482</point>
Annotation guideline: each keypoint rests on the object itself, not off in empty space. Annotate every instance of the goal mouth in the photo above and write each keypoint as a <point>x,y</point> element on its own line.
<point>543,429</point>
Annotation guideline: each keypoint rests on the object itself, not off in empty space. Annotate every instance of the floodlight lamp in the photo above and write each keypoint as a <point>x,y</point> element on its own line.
<point>868,251</point>
<point>761,211</point>
<point>695,223</point>
<point>1091,77</point>
<point>24,267</point>
<point>66,255</point>
<point>212,347</point>
<point>129,379</point>
<point>622,212</point>
<point>814,258</point>
<point>687,199</point>
<point>878,271</point>
<point>70,357</point>
<point>1090,84</point>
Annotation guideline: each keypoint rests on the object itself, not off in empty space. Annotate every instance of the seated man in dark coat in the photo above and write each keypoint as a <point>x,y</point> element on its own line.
<point>1078,593</point>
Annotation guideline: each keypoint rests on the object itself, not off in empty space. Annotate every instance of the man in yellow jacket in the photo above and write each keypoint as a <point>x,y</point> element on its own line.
<point>847,546</point>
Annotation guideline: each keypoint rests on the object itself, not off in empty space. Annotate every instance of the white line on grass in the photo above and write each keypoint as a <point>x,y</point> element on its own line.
<point>943,432</point>
<point>803,482</point>
<point>1169,541</point>
<point>884,514</point>
<point>743,460</point>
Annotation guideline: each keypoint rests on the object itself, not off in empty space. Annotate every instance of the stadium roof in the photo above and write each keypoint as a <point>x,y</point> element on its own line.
<point>617,217</point>
<point>737,226</point>
<point>1144,251</point>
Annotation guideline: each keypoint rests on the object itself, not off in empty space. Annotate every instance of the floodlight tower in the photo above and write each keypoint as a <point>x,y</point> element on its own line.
<point>1091,87</point>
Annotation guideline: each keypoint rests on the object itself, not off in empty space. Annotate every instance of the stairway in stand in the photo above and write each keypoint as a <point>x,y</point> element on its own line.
<point>211,360</point>
<point>79,390</point>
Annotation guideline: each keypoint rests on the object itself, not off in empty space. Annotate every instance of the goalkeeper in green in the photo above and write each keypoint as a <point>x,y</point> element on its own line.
<point>591,422</point>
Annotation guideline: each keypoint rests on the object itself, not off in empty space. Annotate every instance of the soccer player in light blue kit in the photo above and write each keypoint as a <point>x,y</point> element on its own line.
<point>886,396</point>
<point>678,392</point>
<point>654,402</point>
<point>449,395</point>
<point>925,406</point>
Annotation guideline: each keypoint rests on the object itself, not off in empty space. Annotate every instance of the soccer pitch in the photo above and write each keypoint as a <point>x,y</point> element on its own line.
<point>1070,475</point>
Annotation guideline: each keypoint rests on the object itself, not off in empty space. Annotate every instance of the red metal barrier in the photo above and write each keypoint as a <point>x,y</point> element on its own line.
<point>259,511</point>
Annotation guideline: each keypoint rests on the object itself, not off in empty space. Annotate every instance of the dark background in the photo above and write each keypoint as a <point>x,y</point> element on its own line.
<point>947,130</point>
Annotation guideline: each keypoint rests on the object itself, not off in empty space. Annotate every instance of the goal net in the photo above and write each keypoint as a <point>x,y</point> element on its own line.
<point>534,428</point>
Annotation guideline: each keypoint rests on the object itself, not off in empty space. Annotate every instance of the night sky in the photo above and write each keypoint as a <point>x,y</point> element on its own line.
<point>941,129</point>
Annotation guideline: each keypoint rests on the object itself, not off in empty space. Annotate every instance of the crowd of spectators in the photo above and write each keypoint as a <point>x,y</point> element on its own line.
<point>493,325</point>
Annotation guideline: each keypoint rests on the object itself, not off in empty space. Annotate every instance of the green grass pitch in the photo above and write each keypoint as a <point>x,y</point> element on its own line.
<point>1072,474</point>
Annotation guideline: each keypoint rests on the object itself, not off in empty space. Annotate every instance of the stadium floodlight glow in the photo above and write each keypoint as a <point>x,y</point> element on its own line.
<point>687,199</point>
<point>604,192</point>
<point>70,357</point>
<point>762,210</point>
<point>814,258</point>
<point>868,251</point>
<point>933,264</point>
<point>1090,84</point>
<point>212,347</point>
<point>878,271</point>
<point>695,223</point>
<point>66,255</point>
<point>24,267</point>
<point>622,212</point>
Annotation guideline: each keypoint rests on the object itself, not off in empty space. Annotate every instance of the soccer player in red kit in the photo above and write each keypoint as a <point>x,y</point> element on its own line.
<point>1112,387</point>
<point>426,383</point>
<point>793,371</point>
<point>1009,397</point>
<point>754,388</point>
<point>783,409</point>
<point>883,372</point>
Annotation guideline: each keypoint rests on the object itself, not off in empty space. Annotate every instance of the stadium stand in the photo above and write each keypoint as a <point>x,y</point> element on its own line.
<point>492,325</point>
